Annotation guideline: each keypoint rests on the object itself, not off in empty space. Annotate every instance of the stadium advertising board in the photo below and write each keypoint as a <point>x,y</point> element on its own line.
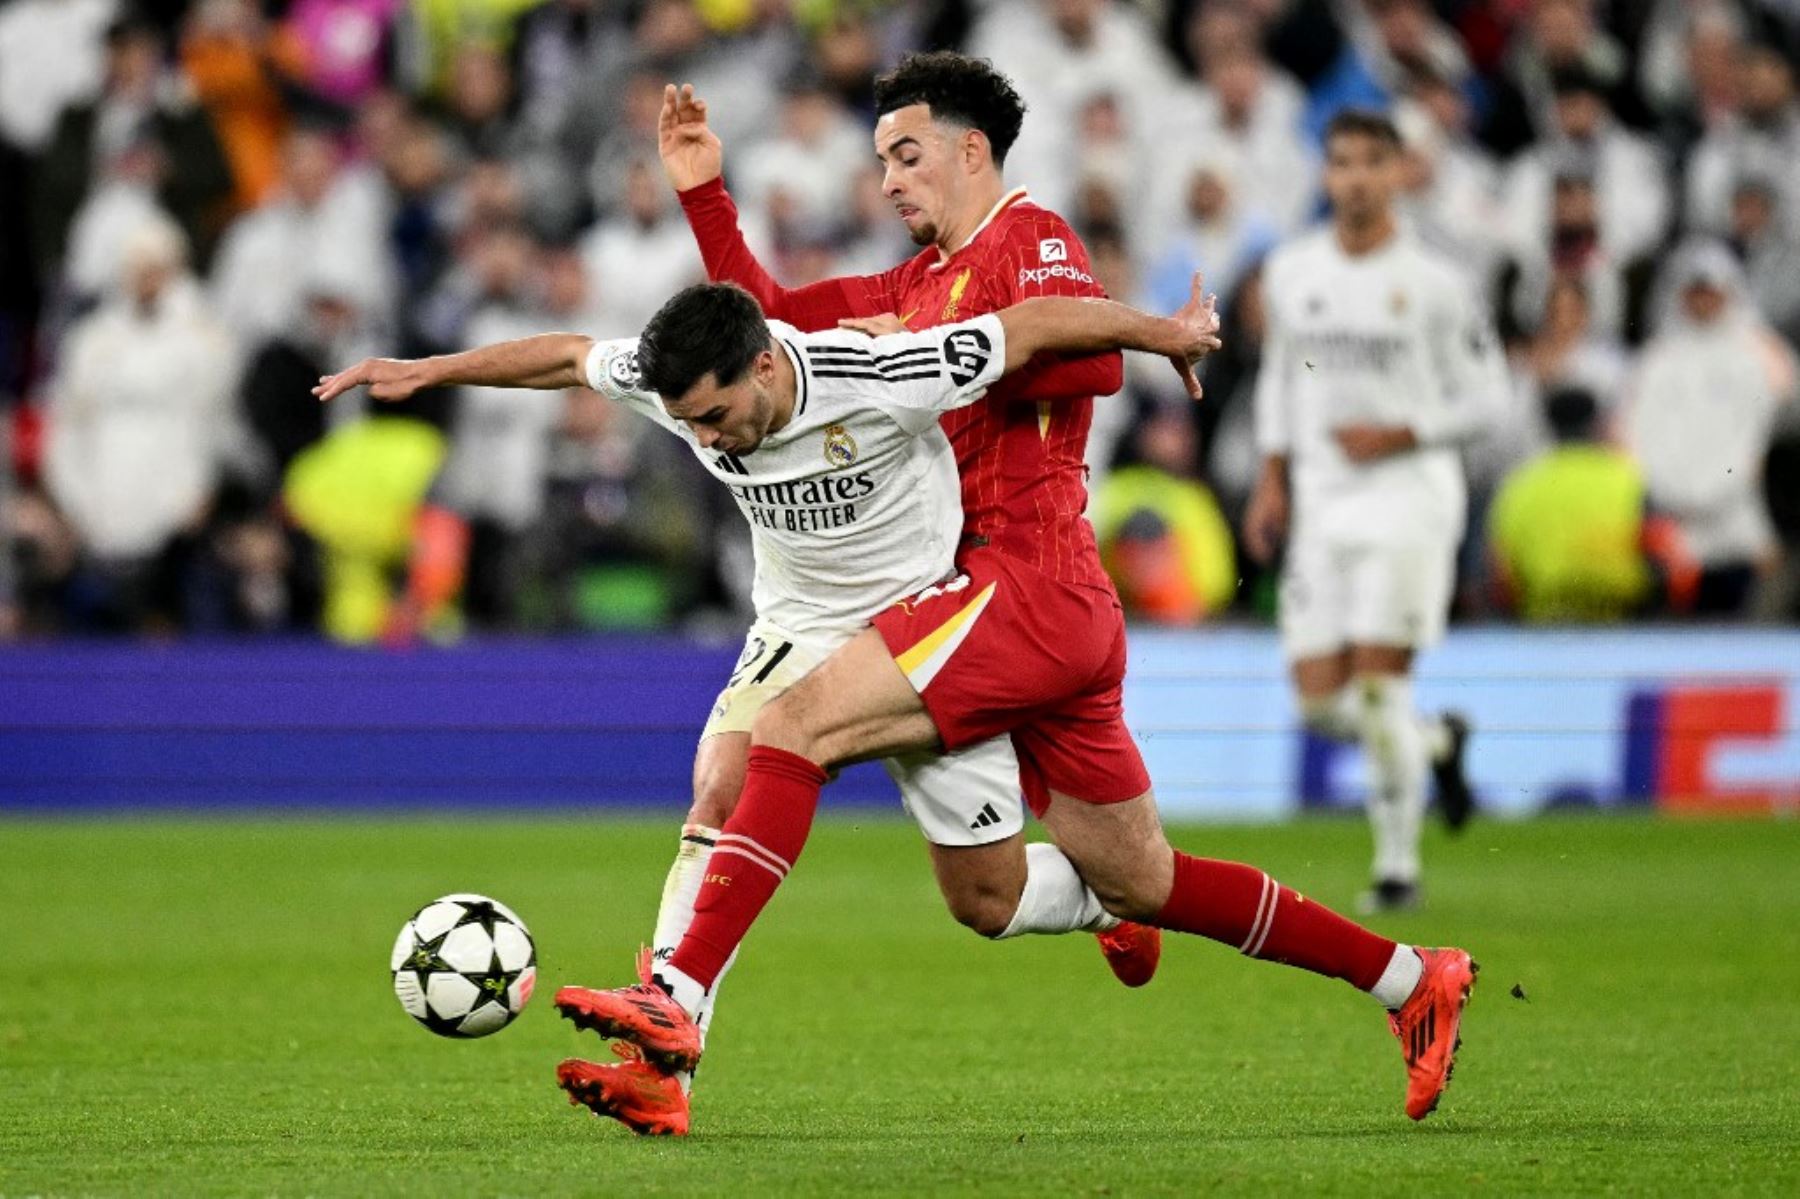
<point>1693,720</point>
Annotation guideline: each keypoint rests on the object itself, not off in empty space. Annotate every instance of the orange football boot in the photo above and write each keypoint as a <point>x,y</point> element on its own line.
<point>1132,950</point>
<point>644,1016</point>
<point>1427,1025</point>
<point>633,1092</point>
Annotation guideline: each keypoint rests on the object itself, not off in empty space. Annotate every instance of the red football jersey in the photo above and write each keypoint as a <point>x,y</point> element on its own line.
<point>1019,451</point>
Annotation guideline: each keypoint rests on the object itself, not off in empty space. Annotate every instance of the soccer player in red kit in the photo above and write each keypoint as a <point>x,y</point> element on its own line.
<point>1027,638</point>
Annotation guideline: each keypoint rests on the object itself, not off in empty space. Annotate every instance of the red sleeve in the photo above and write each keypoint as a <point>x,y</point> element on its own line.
<point>714,219</point>
<point>1043,257</point>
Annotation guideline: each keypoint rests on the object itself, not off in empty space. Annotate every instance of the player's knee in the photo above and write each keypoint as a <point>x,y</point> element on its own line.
<point>1133,887</point>
<point>985,912</point>
<point>1128,902</point>
<point>715,798</point>
<point>1334,715</point>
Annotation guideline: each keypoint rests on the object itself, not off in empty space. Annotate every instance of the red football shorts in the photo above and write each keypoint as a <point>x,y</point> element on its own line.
<point>1000,649</point>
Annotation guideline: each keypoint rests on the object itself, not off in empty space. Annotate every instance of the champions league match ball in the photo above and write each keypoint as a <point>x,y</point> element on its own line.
<point>464,966</point>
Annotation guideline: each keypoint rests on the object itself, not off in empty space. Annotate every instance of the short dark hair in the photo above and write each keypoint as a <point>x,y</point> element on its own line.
<point>1577,79</point>
<point>1572,414</point>
<point>709,328</point>
<point>1364,122</point>
<point>957,88</point>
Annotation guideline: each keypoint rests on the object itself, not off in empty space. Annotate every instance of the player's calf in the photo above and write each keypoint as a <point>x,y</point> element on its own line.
<point>1119,850</point>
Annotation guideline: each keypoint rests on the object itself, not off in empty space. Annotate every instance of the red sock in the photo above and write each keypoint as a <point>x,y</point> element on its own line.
<point>756,849</point>
<point>1243,907</point>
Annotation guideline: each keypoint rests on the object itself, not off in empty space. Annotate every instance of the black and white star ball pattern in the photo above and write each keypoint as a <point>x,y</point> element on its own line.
<point>464,966</point>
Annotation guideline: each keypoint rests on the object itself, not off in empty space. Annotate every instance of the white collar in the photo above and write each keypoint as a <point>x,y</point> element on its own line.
<point>1016,195</point>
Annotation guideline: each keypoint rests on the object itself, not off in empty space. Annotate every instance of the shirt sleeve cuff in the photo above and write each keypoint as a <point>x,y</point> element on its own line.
<point>705,193</point>
<point>593,366</point>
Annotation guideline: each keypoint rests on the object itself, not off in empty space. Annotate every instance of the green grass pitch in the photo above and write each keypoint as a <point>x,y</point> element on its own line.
<point>203,1007</point>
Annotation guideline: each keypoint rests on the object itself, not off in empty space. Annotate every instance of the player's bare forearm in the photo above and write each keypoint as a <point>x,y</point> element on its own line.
<point>1082,326</point>
<point>549,361</point>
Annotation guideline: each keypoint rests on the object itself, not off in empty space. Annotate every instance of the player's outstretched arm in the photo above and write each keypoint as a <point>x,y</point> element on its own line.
<point>549,361</point>
<point>693,159</point>
<point>1089,326</point>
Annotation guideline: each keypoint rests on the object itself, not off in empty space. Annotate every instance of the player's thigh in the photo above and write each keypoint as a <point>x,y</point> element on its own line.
<point>1119,850</point>
<point>772,660</point>
<point>853,706</point>
<point>999,643</point>
<point>1079,744</point>
<point>719,766</point>
<point>1311,606</point>
<point>1398,596</point>
<point>1389,660</point>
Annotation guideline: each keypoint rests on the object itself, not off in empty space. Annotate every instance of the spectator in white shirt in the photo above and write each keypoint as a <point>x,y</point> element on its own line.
<point>1769,251</point>
<point>1701,412</point>
<point>812,159</point>
<point>1761,137</point>
<point>642,256</point>
<point>1628,174</point>
<point>1061,54</point>
<point>141,423</point>
<point>267,254</point>
<point>1246,103</point>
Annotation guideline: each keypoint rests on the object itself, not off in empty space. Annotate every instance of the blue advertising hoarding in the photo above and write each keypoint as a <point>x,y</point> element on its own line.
<point>1679,717</point>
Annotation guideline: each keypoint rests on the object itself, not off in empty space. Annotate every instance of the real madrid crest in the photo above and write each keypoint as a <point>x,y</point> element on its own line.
<point>623,370</point>
<point>1398,303</point>
<point>840,447</point>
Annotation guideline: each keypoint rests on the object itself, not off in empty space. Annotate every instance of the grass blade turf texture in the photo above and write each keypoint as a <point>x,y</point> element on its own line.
<point>204,1007</point>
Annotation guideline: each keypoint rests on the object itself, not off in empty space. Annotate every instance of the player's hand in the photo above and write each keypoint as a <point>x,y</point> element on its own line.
<point>1369,443</point>
<point>1266,520</point>
<point>691,152</point>
<point>875,326</point>
<point>388,379</point>
<point>1198,323</point>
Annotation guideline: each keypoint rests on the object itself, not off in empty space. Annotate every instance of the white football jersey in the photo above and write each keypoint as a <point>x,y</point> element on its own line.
<point>1393,337</point>
<point>855,502</point>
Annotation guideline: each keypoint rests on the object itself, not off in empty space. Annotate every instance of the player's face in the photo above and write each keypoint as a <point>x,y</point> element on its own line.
<point>922,173</point>
<point>733,419</point>
<point>1361,173</point>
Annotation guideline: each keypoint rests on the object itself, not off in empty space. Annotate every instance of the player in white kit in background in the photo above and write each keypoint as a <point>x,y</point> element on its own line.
<point>1379,366</point>
<point>830,444</point>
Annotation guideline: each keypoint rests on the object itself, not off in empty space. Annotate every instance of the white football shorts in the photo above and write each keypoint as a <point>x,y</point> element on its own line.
<point>971,797</point>
<point>1335,594</point>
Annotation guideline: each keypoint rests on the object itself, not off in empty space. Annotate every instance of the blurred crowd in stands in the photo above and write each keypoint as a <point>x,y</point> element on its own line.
<point>210,203</point>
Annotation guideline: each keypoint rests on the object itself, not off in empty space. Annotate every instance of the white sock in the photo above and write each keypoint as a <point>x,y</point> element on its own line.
<point>684,990</point>
<point>1400,979</point>
<point>1396,747</point>
<point>680,890</point>
<point>1055,900</point>
<point>1335,716</point>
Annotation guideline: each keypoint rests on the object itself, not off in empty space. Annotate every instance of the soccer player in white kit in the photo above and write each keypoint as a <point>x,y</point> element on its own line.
<point>1378,366</point>
<point>835,457</point>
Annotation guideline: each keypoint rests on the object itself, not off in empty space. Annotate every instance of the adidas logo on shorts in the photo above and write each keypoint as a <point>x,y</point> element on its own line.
<point>987,818</point>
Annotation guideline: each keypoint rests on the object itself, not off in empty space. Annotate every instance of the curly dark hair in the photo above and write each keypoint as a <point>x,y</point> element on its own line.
<point>709,328</point>
<point>957,88</point>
